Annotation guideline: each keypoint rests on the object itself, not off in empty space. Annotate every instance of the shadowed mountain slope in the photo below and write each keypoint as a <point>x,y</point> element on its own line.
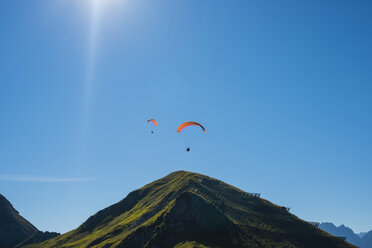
<point>16,231</point>
<point>37,238</point>
<point>13,227</point>
<point>187,209</point>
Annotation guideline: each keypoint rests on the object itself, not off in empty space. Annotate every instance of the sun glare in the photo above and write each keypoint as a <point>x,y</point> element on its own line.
<point>98,11</point>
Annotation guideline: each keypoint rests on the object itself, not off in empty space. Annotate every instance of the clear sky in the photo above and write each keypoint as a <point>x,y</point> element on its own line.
<point>282,87</point>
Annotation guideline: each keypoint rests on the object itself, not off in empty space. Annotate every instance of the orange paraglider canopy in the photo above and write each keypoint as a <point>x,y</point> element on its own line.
<point>188,123</point>
<point>153,121</point>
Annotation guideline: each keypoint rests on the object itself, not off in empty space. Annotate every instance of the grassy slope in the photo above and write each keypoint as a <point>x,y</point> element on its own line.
<point>249,221</point>
<point>188,244</point>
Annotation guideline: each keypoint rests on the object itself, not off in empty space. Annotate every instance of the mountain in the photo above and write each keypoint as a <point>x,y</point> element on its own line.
<point>16,230</point>
<point>184,210</point>
<point>366,240</point>
<point>362,240</point>
<point>13,227</point>
<point>341,231</point>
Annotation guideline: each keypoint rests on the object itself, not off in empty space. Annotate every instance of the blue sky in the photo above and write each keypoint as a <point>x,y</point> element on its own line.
<point>283,89</point>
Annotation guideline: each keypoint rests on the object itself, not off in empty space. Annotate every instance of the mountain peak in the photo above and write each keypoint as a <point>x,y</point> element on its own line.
<point>182,174</point>
<point>13,227</point>
<point>185,207</point>
<point>5,204</point>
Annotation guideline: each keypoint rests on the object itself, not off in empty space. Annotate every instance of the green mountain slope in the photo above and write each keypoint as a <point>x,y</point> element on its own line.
<point>186,209</point>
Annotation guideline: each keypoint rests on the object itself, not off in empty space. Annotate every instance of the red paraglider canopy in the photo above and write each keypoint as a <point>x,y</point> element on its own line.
<point>153,121</point>
<point>189,123</point>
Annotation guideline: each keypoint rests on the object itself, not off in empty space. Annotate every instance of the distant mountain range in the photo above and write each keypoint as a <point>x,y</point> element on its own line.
<point>184,210</point>
<point>362,240</point>
<point>16,231</point>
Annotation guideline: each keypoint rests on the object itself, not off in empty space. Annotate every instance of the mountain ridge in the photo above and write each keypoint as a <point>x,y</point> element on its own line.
<point>185,209</point>
<point>364,241</point>
<point>13,227</point>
